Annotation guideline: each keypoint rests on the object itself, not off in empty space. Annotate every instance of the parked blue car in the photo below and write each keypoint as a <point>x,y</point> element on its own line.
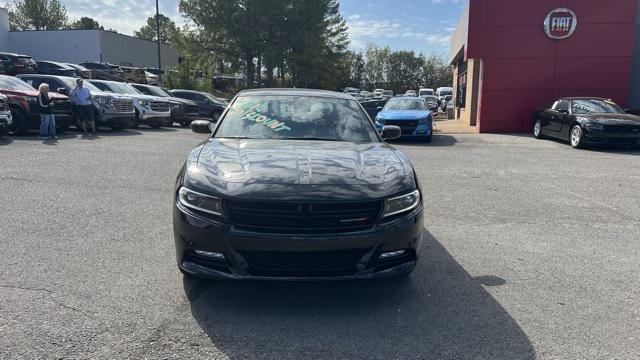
<point>411,114</point>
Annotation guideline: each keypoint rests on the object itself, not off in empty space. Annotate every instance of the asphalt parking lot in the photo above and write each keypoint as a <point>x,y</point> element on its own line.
<point>532,251</point>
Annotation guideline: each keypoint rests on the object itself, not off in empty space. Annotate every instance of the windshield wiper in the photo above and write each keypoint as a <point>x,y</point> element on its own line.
<point>310,138</point>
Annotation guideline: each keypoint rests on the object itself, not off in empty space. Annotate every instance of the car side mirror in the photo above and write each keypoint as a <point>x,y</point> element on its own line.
<point>62,90</point>
<point>390,132</point>
<point>201,126</point>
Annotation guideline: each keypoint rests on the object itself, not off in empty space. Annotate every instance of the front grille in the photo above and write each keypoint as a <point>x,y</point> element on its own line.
<point>293,217</point>
<point>3,105</point>
<point>123,105</point>
<point>407,127</point>
<point>623,140</point>
<point>622,129</point>
<point>61,105</point>
<point>326,263</point>
<point>161,106</point>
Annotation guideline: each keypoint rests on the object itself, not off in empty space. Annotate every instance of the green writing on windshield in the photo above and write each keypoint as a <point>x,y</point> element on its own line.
<point>252,112</point>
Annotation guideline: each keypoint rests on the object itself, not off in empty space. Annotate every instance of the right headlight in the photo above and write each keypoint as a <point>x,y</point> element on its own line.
<point>400,204</point>
<point>102,100</point>
<point>200,202</point>
<point>144,103</point>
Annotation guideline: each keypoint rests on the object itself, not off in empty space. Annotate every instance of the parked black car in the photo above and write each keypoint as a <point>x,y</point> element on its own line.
<point>209,106</point>
<point>56,68</point>
<point>373,107</point>
<point>18,64</point>
<point>585,121</point>
<point>183,111</point>
<point>296,184</point>
<point>109,109</point>
<point>23,102</point>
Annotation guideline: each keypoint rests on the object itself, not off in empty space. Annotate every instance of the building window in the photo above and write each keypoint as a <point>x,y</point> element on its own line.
<point>461,95</point>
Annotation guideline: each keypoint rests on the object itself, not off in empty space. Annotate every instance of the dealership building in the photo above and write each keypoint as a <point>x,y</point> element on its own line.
<point>76,46</point>
<point>510,57</point>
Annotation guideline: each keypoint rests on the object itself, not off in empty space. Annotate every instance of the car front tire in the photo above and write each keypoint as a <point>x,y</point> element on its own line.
<point>576,137</point>
<point>537,129</point>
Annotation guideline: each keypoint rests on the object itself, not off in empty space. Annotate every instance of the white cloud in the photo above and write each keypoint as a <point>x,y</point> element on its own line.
<point>438,39</point>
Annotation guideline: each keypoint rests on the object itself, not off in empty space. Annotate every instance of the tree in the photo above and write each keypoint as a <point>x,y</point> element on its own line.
<point>86,23</point>
<point>168,30</point>
<point>38,15</point>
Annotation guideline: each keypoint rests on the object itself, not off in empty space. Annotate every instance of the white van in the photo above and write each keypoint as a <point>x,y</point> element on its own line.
<point>426,91</point>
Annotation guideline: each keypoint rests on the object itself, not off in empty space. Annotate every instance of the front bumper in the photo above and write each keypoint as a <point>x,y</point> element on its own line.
<point>104,117</point>
<point>596,137</point>
<point>5,119</point>
<point>193,232</point>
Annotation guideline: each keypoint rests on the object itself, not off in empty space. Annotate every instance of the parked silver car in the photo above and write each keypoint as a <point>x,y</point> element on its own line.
<point>150,110</point>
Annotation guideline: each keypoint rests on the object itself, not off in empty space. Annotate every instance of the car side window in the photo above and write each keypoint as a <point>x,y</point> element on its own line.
<point>561,105</point>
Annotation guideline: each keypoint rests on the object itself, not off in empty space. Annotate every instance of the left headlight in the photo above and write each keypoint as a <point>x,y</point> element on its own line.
<point>401,204</point>
<point>200,202</point>
<point>144,103</point>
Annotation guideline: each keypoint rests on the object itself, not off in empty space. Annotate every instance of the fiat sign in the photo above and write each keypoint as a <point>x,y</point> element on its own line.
<point>560,23</point>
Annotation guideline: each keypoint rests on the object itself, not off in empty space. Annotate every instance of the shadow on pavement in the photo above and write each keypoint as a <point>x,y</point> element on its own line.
<point>5,141</point>
<point>436,140</point>
<point>440,311</point>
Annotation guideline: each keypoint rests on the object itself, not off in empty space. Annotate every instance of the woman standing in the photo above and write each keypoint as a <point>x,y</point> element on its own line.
<point>47,121</point>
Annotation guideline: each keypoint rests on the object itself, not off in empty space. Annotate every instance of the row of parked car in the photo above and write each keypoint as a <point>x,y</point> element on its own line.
<point>437,100</point>
<point>14,64</point>
<point>117,105</point>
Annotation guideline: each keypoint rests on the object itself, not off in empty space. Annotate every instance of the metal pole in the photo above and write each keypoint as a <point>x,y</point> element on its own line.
<point>158,41</point>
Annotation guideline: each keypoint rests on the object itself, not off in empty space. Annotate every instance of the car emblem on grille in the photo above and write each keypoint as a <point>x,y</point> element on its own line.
<point>360,219</point>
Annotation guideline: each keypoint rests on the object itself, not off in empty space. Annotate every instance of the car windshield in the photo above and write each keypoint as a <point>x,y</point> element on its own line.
<point>387,92</point>
<point>71,83</point>
<point>124,89</point>
<point>406,104</point>
<point>11,83</point>
<point>157,91</point>
<point>296,117</point>
<point>445,93</point>
<point>595,106</point>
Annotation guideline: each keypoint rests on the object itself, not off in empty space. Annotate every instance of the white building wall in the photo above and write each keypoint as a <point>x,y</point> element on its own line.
<point>4,30</point>
<point>127,50</point>
<point>72,46</point>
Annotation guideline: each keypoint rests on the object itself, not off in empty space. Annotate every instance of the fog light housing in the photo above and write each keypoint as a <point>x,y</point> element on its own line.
<point>210,254</point>
<point>392,254</point>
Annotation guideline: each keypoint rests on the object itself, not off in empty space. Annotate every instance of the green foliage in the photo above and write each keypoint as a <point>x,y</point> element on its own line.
<point>37,15</point>
<point>86,23</point>
<point>399,70</point>
<point>305,40</point>
<point>168,30</point>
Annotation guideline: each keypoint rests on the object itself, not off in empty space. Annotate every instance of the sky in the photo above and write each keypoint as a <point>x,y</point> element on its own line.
<point>424,26</point>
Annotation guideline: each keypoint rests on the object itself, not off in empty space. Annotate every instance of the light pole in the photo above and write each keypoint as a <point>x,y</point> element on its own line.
<point>158,42</point>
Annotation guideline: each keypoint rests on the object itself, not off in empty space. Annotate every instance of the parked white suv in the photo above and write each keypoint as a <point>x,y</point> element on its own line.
<point>5,115</point>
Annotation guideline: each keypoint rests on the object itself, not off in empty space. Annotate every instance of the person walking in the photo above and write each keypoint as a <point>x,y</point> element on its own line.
<point>81,97</point>
<point>47,121</point>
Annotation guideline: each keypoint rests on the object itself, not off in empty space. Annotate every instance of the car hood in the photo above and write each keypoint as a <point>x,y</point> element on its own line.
<point>178,100</point>
<point>291,169</point>
<point>52,95</point>
<point>403,114</point>
<point>612,119</point>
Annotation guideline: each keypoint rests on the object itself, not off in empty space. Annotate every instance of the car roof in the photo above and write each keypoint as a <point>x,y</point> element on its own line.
<point>582,98</point>
<point>296,92</point>
<point>408,97</point>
